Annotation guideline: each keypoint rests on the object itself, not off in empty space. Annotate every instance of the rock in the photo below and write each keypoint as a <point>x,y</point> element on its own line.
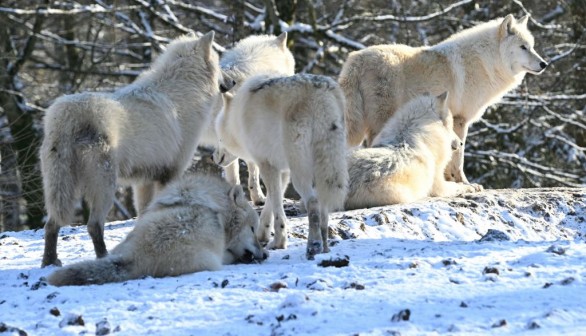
<point>494,235</point>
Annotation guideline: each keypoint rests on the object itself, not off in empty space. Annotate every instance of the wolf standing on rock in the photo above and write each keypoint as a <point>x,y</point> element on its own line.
<point>408,157</point>
<point>197,223</point>
<point>290,124</point>
<point>254,55</point>
<point>144,134</point>
<point>477,66</point>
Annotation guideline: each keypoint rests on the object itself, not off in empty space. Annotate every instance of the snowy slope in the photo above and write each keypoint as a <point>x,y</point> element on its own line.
<point>412,269</point>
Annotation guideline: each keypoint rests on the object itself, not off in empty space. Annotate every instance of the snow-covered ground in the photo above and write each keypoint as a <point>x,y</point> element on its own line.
<point>412,269</point>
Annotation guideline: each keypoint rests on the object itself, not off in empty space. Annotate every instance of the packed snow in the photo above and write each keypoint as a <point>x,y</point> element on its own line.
<point>506,262</point>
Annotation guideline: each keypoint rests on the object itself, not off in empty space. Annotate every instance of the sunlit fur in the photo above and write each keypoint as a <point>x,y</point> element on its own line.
<point>144,134</point>
<point>477,66</point>
<point>408,157</point>
<point>254,55</point>
<point>291,124</point>
<point>195,224</point>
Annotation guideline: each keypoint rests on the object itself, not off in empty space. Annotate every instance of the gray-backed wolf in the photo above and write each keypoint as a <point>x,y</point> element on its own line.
<point>290,124</point>
<point>196,223</point>
<point>144,134</point>
<point>408,157</point>
<point>477,66</point>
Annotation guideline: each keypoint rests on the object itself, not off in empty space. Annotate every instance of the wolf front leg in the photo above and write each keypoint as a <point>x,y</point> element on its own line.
<point>272,179</point>
<point>256,194</point>
<point>455,169</point>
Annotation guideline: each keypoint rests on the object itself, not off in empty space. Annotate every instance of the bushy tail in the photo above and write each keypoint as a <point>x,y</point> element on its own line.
<point>330,166</point>
<point>93,272</point>
<point>57,161</point>
<point>354,112</point>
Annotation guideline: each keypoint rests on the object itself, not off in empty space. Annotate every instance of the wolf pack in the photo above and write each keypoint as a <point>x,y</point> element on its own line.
<point>391,130</point>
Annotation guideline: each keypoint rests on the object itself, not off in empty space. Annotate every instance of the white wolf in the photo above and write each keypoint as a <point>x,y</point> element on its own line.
<point>196,223</point>
<point>477,66</point>
<point>408,157</point>
<point>291,124</point>
<point>254,55</point>
<point>144,134</point>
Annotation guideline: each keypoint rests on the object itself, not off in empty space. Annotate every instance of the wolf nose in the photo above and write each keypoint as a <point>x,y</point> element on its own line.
<point>543,65</point>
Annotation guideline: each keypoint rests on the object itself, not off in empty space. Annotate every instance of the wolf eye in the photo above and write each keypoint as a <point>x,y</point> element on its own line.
<point>523,47</point>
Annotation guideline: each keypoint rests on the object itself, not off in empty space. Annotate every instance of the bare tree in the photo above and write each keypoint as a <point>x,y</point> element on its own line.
<point>536,137</point>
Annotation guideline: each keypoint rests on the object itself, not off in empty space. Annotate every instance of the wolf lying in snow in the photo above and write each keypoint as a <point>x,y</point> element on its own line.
<point>196,223</point>
<point>408,157</point>
<point>144,134</point>
<point>254,55</point>
<point>291,124</point>
<point>477,66</point>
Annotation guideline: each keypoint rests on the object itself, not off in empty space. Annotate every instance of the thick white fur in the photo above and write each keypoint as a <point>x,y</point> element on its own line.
<point>254,55</point>
<point>477,66</point>
<point>195,224</point>
<point>290,124</point>
<point>144,134</point>
<point>408,157</point>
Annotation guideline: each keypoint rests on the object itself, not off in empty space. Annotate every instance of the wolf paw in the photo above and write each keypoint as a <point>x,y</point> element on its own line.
<point>258,199</point>
<point>473,187</point>
<point>55,262</point>
<point>313,248</point>
<point>277,245</point>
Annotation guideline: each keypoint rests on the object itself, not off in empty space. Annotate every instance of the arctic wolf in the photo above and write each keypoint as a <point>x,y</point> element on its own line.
<point>254,55</point>
<point>477,66</point>
<point>196,223</point>
<point>408,157</point>
<point>144,134</point>
<point>290,124</point>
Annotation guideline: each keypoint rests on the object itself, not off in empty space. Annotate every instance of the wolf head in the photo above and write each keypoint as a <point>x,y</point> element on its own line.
<point>243,246</point>
<point>258,54</point>
<point>517,47</point>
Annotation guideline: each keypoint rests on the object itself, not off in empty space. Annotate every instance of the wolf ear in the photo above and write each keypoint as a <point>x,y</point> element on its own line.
<point>506,27</point>
<point>523,21</point>
<point>236,195</point>
<point>282,40</point>
<point>206,42</point>
<point>442,100</point>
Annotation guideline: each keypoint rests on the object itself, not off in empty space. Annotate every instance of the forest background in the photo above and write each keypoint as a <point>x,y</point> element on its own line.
<point>535,137</point>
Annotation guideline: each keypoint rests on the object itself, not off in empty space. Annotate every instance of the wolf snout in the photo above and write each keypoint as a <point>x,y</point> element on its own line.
<point>250,257</point>
<point>543,65</point>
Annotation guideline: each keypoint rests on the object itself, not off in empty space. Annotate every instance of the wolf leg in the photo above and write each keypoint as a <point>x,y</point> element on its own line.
<point>314,238</point>
<point>51,237</point>
<point>232,171</point>
<point>323,222</point>
<point>256,194</point>
<point>455,169</point>
<point>143,194</point>
<point>266,222</point>
<point>272,178</point>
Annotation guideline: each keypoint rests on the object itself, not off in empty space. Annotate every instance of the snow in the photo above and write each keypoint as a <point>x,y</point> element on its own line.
<point>424,261</point>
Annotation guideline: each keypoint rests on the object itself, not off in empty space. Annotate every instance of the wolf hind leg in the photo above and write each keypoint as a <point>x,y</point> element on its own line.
<point>99,198</point>
<point>51,237</point>
<point>314,238</point>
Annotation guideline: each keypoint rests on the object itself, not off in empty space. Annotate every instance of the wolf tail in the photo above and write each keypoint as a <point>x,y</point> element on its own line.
<point>354,113</point>
<point>57,159</point>
<point>329,156</point>
<point>113,268</point>
<point>73,124</point>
